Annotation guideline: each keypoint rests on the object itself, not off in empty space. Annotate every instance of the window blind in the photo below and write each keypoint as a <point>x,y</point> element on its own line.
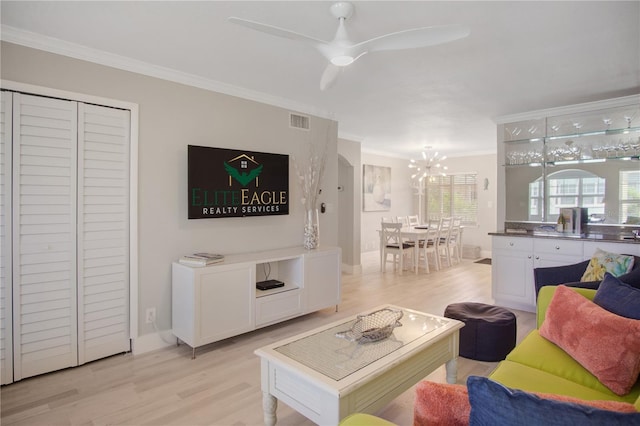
<point>453,195</point>
<point>630,196</point>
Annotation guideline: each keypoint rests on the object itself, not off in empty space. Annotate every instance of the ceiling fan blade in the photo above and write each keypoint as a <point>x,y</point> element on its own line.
<point>270,29</point>
<point>414,38</point>
<point>329,76</point>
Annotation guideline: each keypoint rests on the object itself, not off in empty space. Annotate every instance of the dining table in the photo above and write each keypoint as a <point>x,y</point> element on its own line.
<point>408,233</point>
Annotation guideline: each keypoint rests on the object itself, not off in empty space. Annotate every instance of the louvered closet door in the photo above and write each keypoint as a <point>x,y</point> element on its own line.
<point>44,235</point>
<point>6,357</point>
<point>103,232</point>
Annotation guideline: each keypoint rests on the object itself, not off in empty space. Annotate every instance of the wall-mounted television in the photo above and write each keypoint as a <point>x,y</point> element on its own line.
<point>234,183</point>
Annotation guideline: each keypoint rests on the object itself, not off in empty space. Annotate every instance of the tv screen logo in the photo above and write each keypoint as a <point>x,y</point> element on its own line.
<point>232,183</point>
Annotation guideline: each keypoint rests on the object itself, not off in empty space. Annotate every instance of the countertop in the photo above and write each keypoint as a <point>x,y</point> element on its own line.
<point>618,238</point>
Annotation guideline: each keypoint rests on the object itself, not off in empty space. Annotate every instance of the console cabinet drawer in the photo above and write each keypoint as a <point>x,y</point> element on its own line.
<point>278,306</point>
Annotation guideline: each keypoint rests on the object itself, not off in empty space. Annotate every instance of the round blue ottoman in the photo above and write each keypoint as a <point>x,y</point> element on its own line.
<point>489,332</point>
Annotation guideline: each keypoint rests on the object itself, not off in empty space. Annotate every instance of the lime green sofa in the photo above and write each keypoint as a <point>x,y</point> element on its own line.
<point>537,365</point>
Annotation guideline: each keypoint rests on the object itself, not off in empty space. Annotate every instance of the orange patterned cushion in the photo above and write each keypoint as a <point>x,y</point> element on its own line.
<point>604,343</point>
<point>441,404</point>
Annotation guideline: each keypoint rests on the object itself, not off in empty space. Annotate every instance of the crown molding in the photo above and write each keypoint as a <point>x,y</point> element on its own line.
<point>569,109</point>
<point>350,137</point>
<point>77,51</point>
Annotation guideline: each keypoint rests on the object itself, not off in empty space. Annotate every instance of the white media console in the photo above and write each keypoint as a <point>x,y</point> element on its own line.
<point>215,302</point>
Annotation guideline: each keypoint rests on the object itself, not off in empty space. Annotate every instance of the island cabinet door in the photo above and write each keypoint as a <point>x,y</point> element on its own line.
<point>512,273</point>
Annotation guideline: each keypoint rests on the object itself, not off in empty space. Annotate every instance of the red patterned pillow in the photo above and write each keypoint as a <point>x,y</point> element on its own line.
<point>442,404</point>
<point>606,344</point>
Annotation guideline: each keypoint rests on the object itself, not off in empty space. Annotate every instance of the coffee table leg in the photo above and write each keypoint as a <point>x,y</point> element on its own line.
<point>269,406</point>
<point>452,370</point>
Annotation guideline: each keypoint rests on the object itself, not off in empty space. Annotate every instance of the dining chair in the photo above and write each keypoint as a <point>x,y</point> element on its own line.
<point>389,219</point>
<point>436,225</point>
<point>455,240</point>
<point>445,235</point>
<point>404,220</point>
<point>411,222</point>
<point>429,246</point>
<point>393,245</point>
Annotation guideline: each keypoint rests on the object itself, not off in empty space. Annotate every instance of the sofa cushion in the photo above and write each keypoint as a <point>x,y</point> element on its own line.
<point>632,278</point>
<point>446,404</point>
<point>618,297</point>
<point>538,352</point>
<point>493,403</point>
<point>603,261</point>
<point>520,376</point>
<point>609,347</point>
<point>361,419</point>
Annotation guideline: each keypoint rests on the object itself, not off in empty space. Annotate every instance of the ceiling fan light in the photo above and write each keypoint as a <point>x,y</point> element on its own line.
<point>342,61</point>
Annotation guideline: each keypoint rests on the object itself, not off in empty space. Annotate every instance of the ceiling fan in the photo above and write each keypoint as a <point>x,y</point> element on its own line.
<point>341,51</point>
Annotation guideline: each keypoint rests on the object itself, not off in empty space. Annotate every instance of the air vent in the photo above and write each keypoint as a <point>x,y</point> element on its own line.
<point>299,121</point>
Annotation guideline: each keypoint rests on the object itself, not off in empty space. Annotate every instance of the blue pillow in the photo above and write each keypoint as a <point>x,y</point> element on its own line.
<point>632,278</point>
<point>494,404</point>
<point>618,297</point>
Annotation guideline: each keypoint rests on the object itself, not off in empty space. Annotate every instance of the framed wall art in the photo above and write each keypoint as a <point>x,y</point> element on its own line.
<point>376,188</point>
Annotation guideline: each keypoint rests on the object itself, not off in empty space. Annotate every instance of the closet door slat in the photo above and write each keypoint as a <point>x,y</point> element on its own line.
<point>45,329</point>
<point>6,339</point>
<point>103,231</point>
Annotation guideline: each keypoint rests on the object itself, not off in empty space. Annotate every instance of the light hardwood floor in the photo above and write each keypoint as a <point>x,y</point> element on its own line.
<point>222,385</point>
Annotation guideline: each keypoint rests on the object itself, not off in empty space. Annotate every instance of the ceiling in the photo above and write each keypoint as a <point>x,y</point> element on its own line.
<point>519,56</point>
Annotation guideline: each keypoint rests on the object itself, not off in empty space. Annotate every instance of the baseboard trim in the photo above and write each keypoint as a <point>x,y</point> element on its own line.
<point>351,269</point>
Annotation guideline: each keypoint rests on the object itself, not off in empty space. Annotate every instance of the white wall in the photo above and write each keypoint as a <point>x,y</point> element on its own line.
<point>172,116</point>
<point>350,200</point>
<point>402,203</point>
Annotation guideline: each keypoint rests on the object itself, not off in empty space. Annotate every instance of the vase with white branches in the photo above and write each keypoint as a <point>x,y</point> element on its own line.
<point>309,176</point>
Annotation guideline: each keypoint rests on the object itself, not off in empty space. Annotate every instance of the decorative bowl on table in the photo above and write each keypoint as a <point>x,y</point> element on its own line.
<point>377,325</point>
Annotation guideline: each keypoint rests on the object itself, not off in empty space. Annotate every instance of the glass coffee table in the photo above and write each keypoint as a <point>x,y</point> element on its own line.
<point>325,377</point>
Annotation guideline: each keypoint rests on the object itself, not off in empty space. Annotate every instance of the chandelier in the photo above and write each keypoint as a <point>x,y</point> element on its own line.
<point>428,166</point>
